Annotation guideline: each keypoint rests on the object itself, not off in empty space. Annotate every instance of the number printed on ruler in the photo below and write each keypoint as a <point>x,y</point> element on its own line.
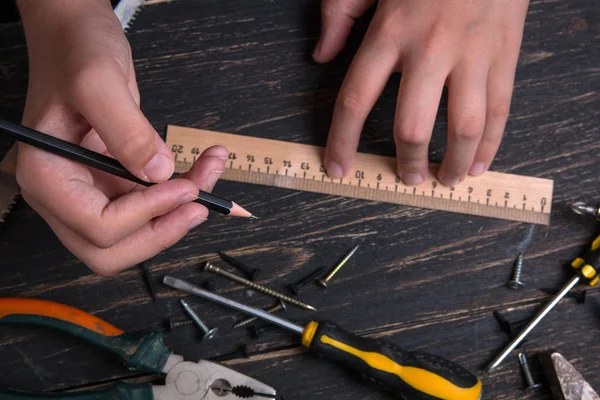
<point>299,166</point>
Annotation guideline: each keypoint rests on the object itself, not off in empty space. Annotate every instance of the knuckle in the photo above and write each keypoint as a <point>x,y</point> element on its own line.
<point>469,128</point>
<point>350,100</point>
<point>410,134</point>
<point>102,240</point>
<point>499,109</point>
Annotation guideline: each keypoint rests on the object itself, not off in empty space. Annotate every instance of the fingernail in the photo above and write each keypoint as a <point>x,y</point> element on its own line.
<point>411,178</point>
<point>477,168</point>
<point>159,168</point>
<point>197,220</point>
<point>334,170</point>
<point>186,198</point>
<point>450,181</point>
<point>317,49</point>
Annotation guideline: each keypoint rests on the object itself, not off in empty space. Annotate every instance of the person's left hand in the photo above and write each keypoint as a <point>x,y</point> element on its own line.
<point>470,46</point>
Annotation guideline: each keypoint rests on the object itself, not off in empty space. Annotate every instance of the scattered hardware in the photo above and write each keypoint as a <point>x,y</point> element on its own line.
<point>240,352</point>
<point>531,384</point>
<point>510,328</point>
<point>250,272</point>
<point>586,269</point>
<point>148,279</point>
<point>579,296</point>
<point>583,209</point>
<point>208,333</point>
<point>173,324</point>
<point>211,268</point>
<point>144,353</point>
<point>209,285</point>
<point>9,192</point>
<point>279,306</point>
<point>376,362</point>
<point>515,280</point>
<point>313,276</point>
<point>564,380</point>
<point>325,281</point>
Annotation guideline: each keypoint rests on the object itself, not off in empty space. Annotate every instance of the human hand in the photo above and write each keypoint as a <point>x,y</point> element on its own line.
<point>82,89</point>
<point>472,47</point>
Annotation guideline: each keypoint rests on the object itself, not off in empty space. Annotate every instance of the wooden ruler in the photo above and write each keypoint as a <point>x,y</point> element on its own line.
<point>298,166</point>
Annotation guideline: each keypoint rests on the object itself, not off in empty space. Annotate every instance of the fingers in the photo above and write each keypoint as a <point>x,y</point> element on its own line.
<point>337,18</point>
<point>102,95</point>
<point>208,168</point>
<point>419,95</point>
<point>363,84</point>
<point>466,120</point>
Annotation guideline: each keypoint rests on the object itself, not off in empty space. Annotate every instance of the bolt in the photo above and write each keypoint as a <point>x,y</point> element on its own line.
<point>250,272</point>
<point>208,334</point>
<point>515,280</point>
<point>326,280</point>
<point>531,385</point>
<point>316,274</point>
<point>242,351</point>
<point>208,267</point>
<point>279,306</point>
<point>175,324</point>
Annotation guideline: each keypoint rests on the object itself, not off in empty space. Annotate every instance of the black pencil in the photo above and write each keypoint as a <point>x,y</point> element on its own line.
<point>107,164</point>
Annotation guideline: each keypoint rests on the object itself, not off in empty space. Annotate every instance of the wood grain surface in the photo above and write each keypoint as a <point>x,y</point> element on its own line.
<point>428,280</point>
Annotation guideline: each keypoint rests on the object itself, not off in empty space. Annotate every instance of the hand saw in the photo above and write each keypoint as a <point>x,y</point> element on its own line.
<point>9,189</point>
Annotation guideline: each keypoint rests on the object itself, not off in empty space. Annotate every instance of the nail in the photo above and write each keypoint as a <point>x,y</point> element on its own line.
<point>197,220</point>
<point>334,170</point>
<point>477,168</point>
<point>411,178</point>
<point>159,168</point>
<point>450,181</point>
<point>186,198</point>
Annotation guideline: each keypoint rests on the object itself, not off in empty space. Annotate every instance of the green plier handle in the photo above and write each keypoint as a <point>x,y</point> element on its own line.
<point>120,391</point>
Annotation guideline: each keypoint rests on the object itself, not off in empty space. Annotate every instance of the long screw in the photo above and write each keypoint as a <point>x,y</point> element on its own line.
<point>250,272</point>
<point>531,384</point>
<point>515,280</point>
<point>316,274</point>
<point>148,279</point>
<point>208,333</point>
<point>175,324</point>
<point>279,306</point>
<point>326,280</point>
<point>211,268</point>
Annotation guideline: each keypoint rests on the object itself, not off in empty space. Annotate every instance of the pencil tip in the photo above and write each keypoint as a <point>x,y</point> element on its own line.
<point>312,308</point>
<point>253,216</point>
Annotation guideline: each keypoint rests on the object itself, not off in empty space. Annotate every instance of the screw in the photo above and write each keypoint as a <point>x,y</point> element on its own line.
<point>316,274</point>
<point>515,282</point>
<point>208,334</point>
<point>211,268</point>
<point>175,324</point>
<point>279,306</point>
<point>504,324</point>
<point>148,279</point>
<point>242,351</point>
<point>326,280</point>
<point>531,385</point>
<point>250,272</point>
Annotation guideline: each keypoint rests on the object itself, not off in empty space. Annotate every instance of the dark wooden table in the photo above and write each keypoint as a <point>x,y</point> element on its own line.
<point>425,279</point>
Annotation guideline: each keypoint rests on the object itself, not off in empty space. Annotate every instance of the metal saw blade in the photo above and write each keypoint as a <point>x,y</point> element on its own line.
<point>9,190</point>
<point>565,382</point>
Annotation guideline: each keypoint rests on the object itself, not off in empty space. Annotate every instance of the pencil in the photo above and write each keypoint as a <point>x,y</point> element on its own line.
<point>107,164</point>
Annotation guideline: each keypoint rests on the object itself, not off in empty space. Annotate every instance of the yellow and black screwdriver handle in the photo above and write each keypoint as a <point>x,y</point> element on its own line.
<point>588,265</point>
<point>407,375</point>
<point>146,353</point>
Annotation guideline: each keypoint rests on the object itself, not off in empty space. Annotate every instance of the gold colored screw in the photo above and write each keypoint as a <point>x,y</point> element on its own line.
<point>279,306</point>
<point>211,268</point>
<point>325,280</point>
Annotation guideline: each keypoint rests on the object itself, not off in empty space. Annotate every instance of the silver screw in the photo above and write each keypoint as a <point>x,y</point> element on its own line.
<point>208,334</point>
<point>280,306</point>
<point>531,385</point>
<point>515,280</point>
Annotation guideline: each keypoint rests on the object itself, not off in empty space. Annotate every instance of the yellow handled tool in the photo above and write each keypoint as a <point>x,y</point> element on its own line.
<point>408,375</point>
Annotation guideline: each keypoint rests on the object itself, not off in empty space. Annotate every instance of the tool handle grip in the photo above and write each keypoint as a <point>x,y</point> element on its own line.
<point>588,265</point>
<point>122,390</point>
<point>144,353</point>
<point>408,375</point>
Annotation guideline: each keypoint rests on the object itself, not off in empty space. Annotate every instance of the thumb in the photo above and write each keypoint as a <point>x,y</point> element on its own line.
<point>337,18</point>
<point>101,94</point>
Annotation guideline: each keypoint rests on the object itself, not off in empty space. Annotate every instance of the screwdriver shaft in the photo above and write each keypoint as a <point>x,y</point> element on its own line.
<point>189,288</point>
<point>532,324</point>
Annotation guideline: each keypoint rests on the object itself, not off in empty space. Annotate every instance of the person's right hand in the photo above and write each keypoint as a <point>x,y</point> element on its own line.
<point>82,89</point>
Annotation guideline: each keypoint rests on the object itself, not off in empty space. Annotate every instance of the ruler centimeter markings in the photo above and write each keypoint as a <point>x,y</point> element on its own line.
<point>299,167</point>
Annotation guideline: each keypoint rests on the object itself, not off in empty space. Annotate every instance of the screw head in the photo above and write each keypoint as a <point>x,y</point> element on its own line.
<point>322,282</point>
<point>534,387</point>
<point>515,285</point>
<point>210,334</point>
<point>208,266</point>
<point>172,324</point>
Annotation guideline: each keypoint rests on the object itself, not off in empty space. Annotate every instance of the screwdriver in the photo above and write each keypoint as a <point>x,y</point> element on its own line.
<point>584,209</point>
<point>407,375</point>
<point>586,269</point>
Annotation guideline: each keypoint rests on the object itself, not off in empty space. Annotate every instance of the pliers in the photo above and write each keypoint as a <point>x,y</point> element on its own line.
<point>146,353</point>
